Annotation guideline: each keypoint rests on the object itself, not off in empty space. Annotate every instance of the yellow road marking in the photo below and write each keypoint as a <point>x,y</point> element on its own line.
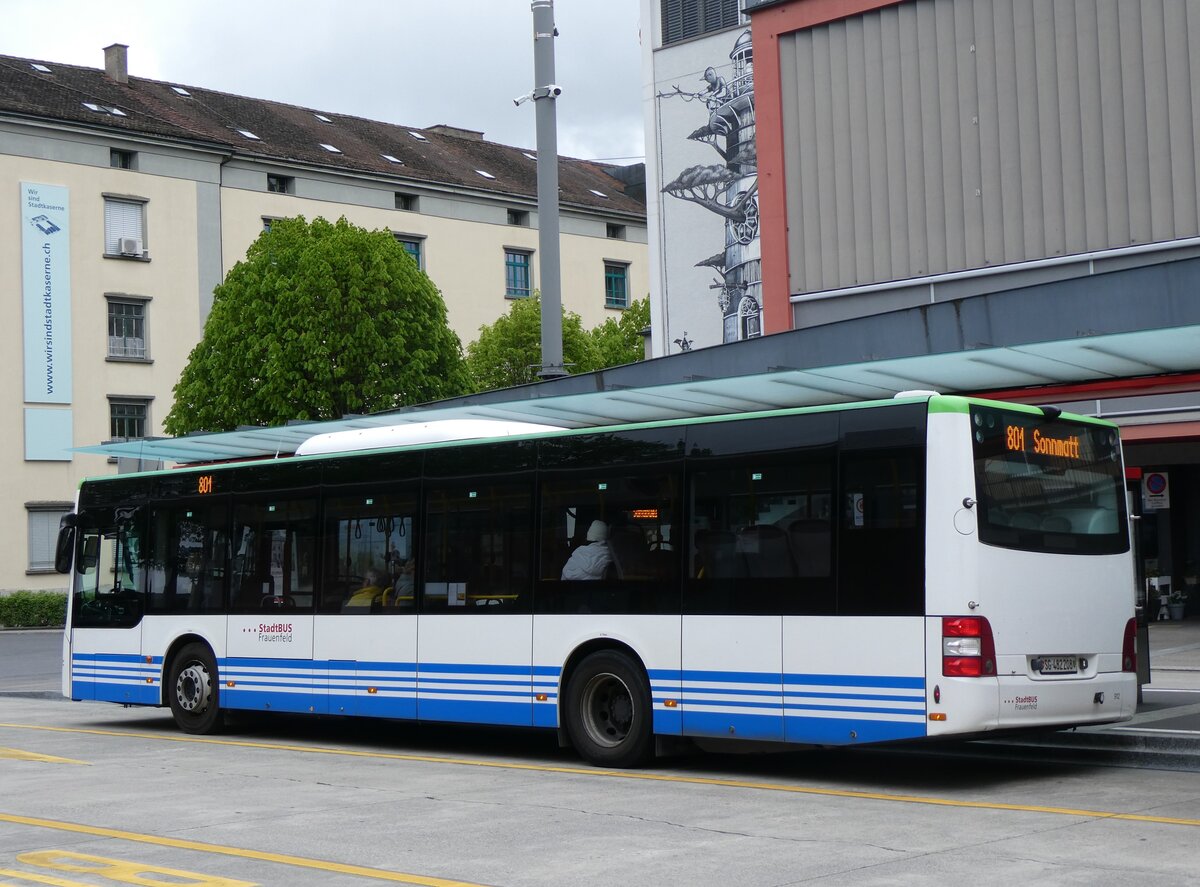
<point>629,774</point>
<point>120,871</point>
<point>240,852</point>
<point>17,754</point>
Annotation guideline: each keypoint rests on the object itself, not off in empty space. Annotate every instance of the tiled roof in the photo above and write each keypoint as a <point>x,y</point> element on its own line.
<point>292,134</point>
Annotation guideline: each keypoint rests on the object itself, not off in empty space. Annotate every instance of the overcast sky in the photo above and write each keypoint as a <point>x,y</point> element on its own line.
<point>402,61</point>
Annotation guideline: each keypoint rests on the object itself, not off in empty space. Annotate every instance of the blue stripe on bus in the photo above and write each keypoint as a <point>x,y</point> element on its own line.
<point>104,691</point>
<point>475,712</point>
<point>836,731</point>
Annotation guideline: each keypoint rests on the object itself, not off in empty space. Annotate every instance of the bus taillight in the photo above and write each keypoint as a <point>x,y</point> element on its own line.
<point>1129,647</point>
<point>968,650</point>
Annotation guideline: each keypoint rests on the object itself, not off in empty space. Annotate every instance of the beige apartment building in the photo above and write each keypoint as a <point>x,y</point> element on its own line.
<point>135,197</point>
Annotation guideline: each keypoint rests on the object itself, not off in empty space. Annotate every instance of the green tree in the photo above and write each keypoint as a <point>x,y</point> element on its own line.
<point>319,320</point>
<point>621,341</point>
<point>509,351</point>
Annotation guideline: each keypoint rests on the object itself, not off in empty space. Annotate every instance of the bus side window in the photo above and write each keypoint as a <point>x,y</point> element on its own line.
<point>274,555</point>
<point>370,551</point>
<point>187,569</point>
<point>478,548</point>
<point>882,538</point>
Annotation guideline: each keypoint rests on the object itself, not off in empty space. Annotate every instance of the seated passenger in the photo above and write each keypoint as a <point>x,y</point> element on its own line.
<point>402,592</point>
<point>590,561</point>
<point>370,592</point>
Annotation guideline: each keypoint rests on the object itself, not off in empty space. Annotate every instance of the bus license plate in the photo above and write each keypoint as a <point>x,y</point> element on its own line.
<point>1057,664</point>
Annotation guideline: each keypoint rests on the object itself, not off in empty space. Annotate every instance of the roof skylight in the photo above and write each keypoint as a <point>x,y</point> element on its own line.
<point>104,109</point>
<point>248,134</point>
<point>40,68</point>
<point>330,148</point>
<point>417,136</point>
<point>485,173</point>
<point>530,156</point>
<point>598,193</point>
<point>392,159</point>
<point>322,118</point>
<point>179,90</point>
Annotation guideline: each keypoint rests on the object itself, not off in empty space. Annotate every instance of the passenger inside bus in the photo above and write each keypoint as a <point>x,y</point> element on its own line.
<point>590,561</point>
<point>404,586</point>
<point>369,594</point>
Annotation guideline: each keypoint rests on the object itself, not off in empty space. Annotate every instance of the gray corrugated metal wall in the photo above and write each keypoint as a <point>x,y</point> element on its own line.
<point>942,135</point>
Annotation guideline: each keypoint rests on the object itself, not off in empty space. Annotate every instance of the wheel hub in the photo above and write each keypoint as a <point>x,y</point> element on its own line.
<point>192,687</point>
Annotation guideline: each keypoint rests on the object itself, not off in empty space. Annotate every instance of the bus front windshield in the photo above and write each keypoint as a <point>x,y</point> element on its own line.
<point>1048,484</point>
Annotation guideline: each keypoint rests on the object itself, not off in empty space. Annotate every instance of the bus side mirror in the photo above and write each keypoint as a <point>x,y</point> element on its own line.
<point>65,548</point>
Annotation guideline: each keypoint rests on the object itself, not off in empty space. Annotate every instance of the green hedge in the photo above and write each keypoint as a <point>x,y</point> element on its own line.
<point>30,609</point>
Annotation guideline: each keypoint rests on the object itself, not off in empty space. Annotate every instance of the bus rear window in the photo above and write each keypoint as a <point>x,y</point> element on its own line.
<point>1048,485</point>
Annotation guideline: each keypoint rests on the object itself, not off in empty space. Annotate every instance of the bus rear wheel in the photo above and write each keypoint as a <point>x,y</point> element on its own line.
<point>608,713</point>
<point>192,690</point>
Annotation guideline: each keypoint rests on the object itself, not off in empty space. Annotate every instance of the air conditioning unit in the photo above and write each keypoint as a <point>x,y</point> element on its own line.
<point>129,246</point>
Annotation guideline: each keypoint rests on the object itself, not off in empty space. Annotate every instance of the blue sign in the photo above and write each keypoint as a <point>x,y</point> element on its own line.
<point>46,292</point>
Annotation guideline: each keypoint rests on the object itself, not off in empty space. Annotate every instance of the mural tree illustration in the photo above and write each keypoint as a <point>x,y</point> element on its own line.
<point>729,189</point>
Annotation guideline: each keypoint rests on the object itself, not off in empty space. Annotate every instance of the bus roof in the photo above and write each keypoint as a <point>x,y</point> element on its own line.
<point>326,446</point>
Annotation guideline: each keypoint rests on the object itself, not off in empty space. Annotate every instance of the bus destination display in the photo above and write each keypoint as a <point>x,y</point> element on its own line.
<point>1018,441</point>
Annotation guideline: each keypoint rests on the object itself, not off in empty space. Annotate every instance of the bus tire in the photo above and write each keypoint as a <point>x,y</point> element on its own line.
<point>609,711</point>
<point>193,691</point>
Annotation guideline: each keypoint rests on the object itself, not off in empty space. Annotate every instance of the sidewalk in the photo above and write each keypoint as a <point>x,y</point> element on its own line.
<point>1175,655</point>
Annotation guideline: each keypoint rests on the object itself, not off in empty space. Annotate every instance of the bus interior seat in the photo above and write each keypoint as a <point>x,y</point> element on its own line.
<point>1023,520</point>
<point>717,556</point>
<point>766,551</point>
<point>1056,524</point>
<point>630,552</point>
<point>811,542</point>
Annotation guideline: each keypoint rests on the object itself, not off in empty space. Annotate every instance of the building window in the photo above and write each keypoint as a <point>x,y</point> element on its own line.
<point>682,19</point>
<point>616,285</point>
<point>516,274</point>
<point>122,159</point>
<point>412,246</point>
<point>518,217</point>
<point>124,228</point>
<point>615,232</point>
<point>267,220</point>
<point>43,533</point>
<point>281,184</point>
<point>127,418</point>
<point>407,202</point>
<point>127,328</point>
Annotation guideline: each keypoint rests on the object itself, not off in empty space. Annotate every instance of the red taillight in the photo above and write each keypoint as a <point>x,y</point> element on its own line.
<point>1129,647</point>
<point>968,649</point>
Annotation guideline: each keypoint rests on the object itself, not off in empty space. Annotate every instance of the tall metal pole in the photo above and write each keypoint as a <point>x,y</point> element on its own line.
<point>544,94</point>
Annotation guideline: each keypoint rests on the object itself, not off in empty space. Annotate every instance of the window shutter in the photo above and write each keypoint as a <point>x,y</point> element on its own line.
<point>121,219</point>
<point>43,538</point>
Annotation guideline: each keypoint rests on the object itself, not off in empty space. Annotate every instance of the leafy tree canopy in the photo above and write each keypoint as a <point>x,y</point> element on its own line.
<point>320,320</point>
<point>620,341</point>
<point>509,351</point>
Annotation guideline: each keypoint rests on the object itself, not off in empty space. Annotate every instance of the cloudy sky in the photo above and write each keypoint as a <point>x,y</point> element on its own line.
<point>401,61</point>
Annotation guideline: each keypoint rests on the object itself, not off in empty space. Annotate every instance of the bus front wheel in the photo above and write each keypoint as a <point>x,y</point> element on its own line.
<point>192,690</point>
<point>609,711</point>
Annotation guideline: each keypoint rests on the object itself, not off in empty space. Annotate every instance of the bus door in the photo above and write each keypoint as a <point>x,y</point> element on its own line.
<point>107,606</point>
<point>269,640</point>
<point>365,636</point>
<point>742,576</point>
<point>475,644</point>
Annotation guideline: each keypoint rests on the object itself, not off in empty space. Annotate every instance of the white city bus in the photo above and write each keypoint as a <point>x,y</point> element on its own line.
<point>929,566</point>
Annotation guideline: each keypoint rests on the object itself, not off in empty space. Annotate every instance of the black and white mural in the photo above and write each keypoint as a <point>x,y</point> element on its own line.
<point>721,302</point>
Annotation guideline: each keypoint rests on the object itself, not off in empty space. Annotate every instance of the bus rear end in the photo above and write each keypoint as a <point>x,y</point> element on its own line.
<point>1030,576</point>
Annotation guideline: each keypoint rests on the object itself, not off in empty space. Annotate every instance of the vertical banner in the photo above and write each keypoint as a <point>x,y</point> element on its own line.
<point>46,292</point>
